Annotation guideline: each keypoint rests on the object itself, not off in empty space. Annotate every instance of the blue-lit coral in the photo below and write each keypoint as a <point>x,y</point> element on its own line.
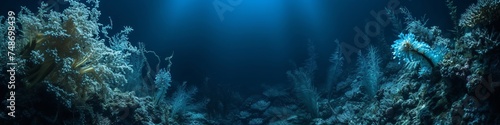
<point>302,80</point>
<point>408,49</point>
<point>370,71</point>
<point>335,68</point>
<point>162,81</point>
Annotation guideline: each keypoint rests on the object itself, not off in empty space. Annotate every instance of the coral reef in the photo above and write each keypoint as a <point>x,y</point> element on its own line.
<point>482,13</point>
<point>68,43</point>
<point>74,72</point>
<point>444,80</point>
<point>65,65</point>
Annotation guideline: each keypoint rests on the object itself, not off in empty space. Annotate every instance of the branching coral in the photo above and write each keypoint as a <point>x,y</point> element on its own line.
<point>70,45</point>
<point>61,55</point>
<point>484,12</point>
<point>335,68</point>
<point>303,86</point>
<point>417,27</point>
<point>369,70</point>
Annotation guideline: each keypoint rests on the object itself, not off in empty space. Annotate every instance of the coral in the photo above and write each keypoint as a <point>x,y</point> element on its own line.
<point>103,75</point>
<point>182,102</point>
<point>395,22</point>
<point>62,96</point>
<point>126,107</point>
<point>482,13</point>
<point>61,55</point>
<point>162,81</point>
<point>453,14</point>
<point>304,90</point>
<point>422,46</point>
<point>120,101</point>
<point>181,99</point>
<point>68,43</point>
<point>119,41</point>
<point>302,79</point>
<point>408,49</point>
<point>335,69</point>
<point>480,40</point>
<point>369,69</point>
<point>474,54</point>
<point>429,35</point>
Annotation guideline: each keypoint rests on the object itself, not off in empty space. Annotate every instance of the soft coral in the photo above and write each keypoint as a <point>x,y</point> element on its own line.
<point>408,49</point>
